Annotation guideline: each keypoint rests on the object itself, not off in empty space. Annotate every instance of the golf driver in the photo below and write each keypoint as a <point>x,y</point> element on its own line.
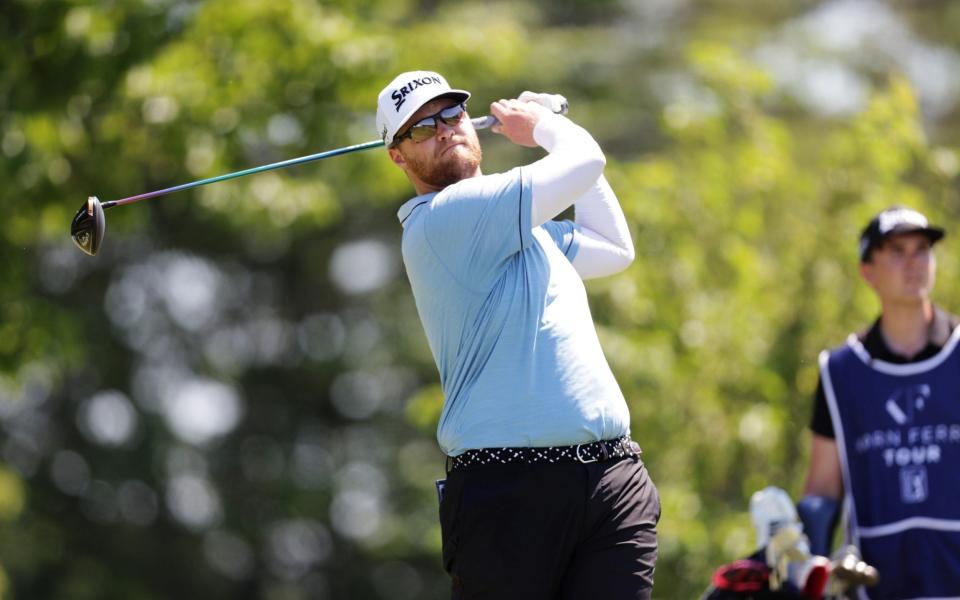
<point>89,225</point>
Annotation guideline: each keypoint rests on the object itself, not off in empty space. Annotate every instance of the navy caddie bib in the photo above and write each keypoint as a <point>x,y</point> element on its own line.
<point>898,434</point>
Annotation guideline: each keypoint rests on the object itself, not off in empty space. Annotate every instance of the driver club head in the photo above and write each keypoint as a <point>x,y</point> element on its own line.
<point>88,226</point>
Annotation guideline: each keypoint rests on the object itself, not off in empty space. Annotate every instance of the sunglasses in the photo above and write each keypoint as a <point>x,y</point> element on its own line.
<point>426,128</point>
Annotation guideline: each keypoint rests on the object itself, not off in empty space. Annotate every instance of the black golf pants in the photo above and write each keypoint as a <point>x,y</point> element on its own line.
<point>563,531</point>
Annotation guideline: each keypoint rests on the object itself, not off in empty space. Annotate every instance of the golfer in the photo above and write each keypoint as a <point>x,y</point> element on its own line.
<point>546,495</point>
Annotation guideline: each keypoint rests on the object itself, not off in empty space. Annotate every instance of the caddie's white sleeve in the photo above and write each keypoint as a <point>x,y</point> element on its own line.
<point>605,243</point>
<point>574,163</point>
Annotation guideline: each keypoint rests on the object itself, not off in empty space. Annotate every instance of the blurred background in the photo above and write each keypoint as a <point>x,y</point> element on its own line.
<point>235,398</point>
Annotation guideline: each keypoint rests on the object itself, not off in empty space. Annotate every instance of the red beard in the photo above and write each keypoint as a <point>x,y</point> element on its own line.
<point>455,164</point>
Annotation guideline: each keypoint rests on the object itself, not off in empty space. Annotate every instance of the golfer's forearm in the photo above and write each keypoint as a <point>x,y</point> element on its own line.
<point>574,163</point>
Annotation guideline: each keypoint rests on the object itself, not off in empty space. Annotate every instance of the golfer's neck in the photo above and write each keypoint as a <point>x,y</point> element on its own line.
<point>422,187</point>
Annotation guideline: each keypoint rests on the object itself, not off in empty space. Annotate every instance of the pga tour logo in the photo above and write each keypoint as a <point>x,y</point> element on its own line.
<point>914,487</point>
<point>399,95</point>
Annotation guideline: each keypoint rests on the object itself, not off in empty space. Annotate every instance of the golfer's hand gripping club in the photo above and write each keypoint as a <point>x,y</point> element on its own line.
<point>89,225</point>
<point>555,102</point>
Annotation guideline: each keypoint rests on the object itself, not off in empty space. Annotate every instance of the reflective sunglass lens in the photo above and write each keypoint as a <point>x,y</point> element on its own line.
<point>451,116</point>
<point>427,128</point>
<point>420,133</point>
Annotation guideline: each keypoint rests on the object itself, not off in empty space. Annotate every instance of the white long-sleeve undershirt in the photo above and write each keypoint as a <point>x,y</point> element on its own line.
<point>572,174</point>
<point>605,244</point>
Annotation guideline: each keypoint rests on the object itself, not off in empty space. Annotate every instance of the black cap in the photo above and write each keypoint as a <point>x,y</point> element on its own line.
<point>894,220</point>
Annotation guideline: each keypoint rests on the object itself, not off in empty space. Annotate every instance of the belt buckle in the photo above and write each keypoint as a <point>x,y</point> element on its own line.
<point>582,460</point>
<point>603,448</point>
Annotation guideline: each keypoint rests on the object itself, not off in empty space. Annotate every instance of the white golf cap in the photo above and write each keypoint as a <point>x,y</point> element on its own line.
<point>405,95</point>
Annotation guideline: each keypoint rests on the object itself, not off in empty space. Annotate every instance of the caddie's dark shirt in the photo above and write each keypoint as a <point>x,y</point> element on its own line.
<point>941,327</point>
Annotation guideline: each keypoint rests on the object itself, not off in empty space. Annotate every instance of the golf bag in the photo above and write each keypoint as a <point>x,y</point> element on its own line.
<point>784,568</point>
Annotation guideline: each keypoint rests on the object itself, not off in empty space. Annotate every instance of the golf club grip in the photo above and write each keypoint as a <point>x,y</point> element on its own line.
<point>484,122</point>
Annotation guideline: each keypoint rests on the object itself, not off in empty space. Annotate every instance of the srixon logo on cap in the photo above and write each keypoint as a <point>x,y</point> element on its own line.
<point>399,95</point>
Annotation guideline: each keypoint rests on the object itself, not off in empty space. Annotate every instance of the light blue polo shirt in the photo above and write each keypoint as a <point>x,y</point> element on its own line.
<point>507,320</point>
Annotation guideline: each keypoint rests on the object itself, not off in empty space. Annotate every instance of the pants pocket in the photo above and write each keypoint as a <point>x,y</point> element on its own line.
<point>449,517</point>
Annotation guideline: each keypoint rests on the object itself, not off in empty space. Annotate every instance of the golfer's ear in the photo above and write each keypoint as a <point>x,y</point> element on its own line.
<point>396,157</point>
<point>866,271</point>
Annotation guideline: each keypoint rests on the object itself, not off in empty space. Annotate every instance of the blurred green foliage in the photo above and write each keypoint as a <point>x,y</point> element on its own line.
<point>235,398</point>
